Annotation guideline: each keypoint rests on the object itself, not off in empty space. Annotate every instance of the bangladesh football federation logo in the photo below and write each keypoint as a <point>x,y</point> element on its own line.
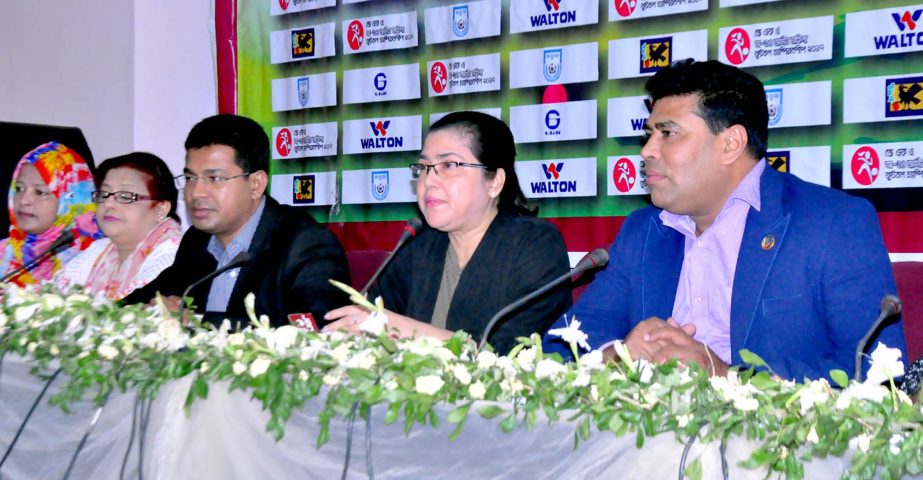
<point>460,20</point>
<point>737,46</point>
<point>284,142</point>
<point>624,175</point>
<point>865,165</point>
<point>552,64</point>
<point>625,7</point>
<point>656,53</point>
<point>774,105</point>
<point>380,184</point>
<point>438,77</point>
<point>303,91</point>
<point>355,35</point>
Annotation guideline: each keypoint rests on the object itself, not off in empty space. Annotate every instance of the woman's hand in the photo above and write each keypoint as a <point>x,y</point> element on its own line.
<point>350,318</point>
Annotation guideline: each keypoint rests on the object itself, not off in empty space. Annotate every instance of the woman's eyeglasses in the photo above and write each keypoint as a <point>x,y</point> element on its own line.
<point>442,169</point>
<point>120,197</point>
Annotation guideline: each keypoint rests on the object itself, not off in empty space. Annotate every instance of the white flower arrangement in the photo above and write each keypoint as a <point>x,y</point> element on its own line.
<point>143,348</point>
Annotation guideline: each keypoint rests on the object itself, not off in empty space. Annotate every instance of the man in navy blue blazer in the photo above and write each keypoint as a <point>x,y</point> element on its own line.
<point>735,255</point>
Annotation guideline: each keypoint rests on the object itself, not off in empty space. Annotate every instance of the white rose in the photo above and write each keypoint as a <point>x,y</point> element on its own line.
<point>505,364</point>
<point>31,347</point>
<point>895,444</point>
<point>646,371</point>
<point>76,298</point>
<point>582,380</point>
<point>374,323</point>
<point>477,390</point>
<point>526,358</point>
<point>428,384</point>
<point>746,404</point>
<point>391,385</point>
<point>815,393</point>
<point>25,313</point>
<point>594,393</point>
<point>461,374</point>
<point>52,301</point>
<point>128,317</point>
<point>486,360</point>
<point>284,337</point>
<point>885,364</point>
<point>238,368</point>
<point>303,376</point>
<point>107,351</point>
<point>204,367</point>
<point>364,360</point>
<point>861,442</point>
<point>54,351</point>
<point>683,420</point>
<point>592,360</point>
<point>236,339</point>
<point>331,380</point>
<point>549,368</point>
<point>341,353</point>
<point>812,436</point>
<point>127,348</point>
<point>259,366</point>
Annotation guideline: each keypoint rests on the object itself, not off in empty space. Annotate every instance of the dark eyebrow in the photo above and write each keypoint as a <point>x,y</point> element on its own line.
<point>441,156</point>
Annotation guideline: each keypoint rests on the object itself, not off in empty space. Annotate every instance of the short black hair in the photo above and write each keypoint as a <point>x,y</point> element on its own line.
<point>727,96</point>
<point>158,178</point>
<point>491,142</point>
<point>245,136</point>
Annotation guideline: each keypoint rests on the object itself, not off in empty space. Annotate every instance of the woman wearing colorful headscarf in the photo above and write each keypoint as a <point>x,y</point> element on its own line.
<point>49,195</point>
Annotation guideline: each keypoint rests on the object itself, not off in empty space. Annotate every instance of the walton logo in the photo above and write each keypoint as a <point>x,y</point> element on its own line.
<point>303,43</point>
<point>284,142</point>
<point>355,35</point>
<point>656,54</point>
<point>554,17</point>
<point>906,21</point>
<point>553,171</point>
<point>780,160</point>
<point>904,97</point>
<point>625,7</point>
<point>865,165</point>
<point>380,83</point>
<point>381,140</point>
<point>737,46</point>
<point>303,189</point>
<point>624,175</point>
<point>438,77</point>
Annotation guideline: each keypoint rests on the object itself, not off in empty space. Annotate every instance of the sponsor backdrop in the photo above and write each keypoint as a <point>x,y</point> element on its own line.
<point>347,90</point>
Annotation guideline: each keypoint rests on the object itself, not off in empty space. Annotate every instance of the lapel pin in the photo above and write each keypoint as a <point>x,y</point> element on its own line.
<point>769,241</point>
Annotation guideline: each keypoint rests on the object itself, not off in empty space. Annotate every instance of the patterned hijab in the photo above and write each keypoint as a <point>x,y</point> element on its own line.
<point>69,178</point>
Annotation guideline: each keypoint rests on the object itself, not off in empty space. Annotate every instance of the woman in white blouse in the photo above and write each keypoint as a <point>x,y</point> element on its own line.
<point>136,210</point>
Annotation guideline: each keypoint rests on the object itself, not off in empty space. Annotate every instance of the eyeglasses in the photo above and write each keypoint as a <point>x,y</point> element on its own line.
<point>184,179</point>
<point>122,197</point>
<point>444,169</point>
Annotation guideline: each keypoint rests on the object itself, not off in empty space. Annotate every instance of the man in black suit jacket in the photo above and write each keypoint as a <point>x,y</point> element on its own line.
<point>292,256</point>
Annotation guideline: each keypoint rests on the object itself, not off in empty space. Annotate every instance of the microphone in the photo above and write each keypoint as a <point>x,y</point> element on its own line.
<point>410,231</point>
<point>63,240</point>
<point>596,259</point>
<point>890,306</point>
<point>239,260</point>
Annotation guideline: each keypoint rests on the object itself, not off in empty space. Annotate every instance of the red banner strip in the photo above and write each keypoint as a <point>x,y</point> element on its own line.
<point>581,234</point>
<point>226,53</point>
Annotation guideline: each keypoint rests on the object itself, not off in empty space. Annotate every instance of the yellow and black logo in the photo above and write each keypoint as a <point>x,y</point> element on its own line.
<point>303,190</point>
<point>656,53</point>
<point>779,160</point>
<point>904,97</point>
<point>303,43</point>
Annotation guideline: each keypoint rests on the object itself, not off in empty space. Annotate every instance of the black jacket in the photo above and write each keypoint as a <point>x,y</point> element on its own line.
<point>292,257</point>
<point>516,256</point>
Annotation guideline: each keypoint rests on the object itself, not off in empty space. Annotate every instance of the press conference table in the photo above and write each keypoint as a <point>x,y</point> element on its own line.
<point>224,437</point>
